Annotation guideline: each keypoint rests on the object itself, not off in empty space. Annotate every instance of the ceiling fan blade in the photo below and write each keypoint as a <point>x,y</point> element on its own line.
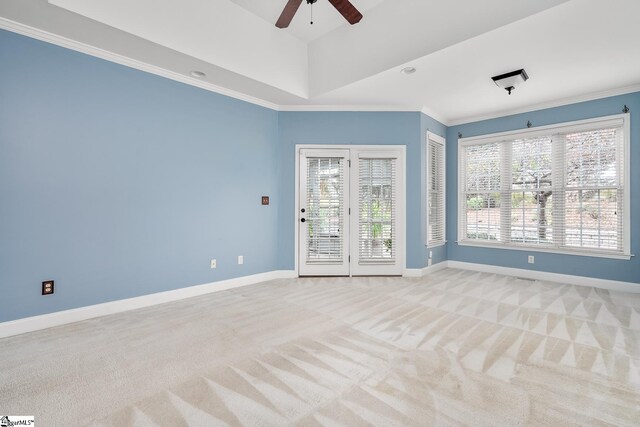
<point>347,10</point>
<point>288,13</point>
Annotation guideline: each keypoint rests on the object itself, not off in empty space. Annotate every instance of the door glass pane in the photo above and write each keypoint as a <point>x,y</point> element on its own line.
<point>325,189</point>
<point>377,193</point>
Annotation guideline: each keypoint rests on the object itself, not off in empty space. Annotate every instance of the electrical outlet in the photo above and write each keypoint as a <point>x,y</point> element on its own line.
<point>429,262</point>
<point>47,287</point>
<point>214,263</point>
<point>240,259</point>
<point>531,259</point>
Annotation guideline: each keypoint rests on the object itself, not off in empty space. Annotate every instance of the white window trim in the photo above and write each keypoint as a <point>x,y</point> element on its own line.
<point>438,140</point>
<point>619,120</point>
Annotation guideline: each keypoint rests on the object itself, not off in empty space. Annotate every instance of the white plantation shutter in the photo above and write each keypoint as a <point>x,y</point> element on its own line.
<point>377,194</point>
<point>560,188</point>
<point>435,203</point>
<point>324,205</point>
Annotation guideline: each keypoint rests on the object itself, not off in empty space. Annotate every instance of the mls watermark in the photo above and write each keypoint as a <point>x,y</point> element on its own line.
<point>17,420</point>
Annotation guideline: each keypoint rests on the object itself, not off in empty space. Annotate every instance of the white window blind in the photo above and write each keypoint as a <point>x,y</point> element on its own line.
<point>482,192</point>
<point>593,194</point>
<point>560,188</point>
<point>325,189</point>
<point>435,203</point>
<point>377,220</point>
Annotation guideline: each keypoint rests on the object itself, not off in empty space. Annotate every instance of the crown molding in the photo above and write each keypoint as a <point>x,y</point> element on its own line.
<point>434,115</point>
<point>26,30</point>
<point>366,108</point>
<point>551,104</point>
<point>77,46</point>
<point>384,108</point>
<point>35,33</point>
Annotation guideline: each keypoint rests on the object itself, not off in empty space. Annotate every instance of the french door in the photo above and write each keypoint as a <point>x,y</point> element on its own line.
<point>324,213</point>
<point>351,211</point>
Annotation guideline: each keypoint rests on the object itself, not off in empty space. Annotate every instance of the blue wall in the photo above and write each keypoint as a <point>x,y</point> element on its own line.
<point>363,128</point>
<point>117,183</point>
<point>604,268</point>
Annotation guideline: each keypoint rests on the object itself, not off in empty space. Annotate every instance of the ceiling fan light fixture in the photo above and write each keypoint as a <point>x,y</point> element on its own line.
<point>408,70</point>
<point>510,80</point>
<point>198,74</point>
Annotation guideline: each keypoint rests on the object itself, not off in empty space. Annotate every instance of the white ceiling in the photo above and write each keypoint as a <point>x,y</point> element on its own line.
<point>571,49</point>
<point>326,18</point>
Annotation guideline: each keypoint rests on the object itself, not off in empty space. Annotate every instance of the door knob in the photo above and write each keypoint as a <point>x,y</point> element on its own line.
<point>302,220</point>
<point>303,210</point>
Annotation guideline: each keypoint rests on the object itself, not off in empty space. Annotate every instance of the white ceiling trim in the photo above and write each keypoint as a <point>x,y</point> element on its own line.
<point>26,30</point>
<point>349,108</point>
<point>217,32</point>
<point>364,108</point>
<point>551,104</point>
<point>436,116</point>
<point>48,37</point>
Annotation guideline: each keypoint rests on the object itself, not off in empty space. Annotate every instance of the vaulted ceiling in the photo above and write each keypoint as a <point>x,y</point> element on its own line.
<point>572,49</point>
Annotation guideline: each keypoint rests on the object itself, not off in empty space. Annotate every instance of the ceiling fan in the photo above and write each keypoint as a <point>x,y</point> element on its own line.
<point>346,9</point>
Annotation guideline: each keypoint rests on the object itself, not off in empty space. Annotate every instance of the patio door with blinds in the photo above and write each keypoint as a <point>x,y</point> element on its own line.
<point>323,213</point>
<point>377,240</point>
<point>351,212</point>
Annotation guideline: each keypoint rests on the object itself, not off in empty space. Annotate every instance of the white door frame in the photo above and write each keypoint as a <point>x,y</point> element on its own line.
<point>402,195</point>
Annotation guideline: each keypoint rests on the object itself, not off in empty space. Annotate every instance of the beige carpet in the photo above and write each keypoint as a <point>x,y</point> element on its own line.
<point>454,348</point>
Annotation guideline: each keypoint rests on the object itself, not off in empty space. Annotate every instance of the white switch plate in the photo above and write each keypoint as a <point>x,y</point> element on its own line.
<point>531,259</point>
<point>430,254</point>
<point>240,259</point>
<point>214,263</point>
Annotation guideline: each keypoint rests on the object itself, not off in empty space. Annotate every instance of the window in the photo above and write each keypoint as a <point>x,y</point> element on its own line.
<point>561,188</point>
<point>435,202</point>
<point>377,209</point>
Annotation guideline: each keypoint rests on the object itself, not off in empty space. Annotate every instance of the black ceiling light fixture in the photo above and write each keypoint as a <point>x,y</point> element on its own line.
<point>509,81</point>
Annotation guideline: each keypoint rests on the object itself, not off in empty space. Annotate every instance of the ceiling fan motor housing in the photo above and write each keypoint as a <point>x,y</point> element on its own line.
<point>344,7</point>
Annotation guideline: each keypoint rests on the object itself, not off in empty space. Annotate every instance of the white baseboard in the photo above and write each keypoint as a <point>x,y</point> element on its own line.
<point>612,285</point>
<point>419,272</point>
<point>30,324</point>
<point>412,272</point>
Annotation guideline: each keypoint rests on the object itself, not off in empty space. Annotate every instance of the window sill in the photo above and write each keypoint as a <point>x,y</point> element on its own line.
<point>587,253</point>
